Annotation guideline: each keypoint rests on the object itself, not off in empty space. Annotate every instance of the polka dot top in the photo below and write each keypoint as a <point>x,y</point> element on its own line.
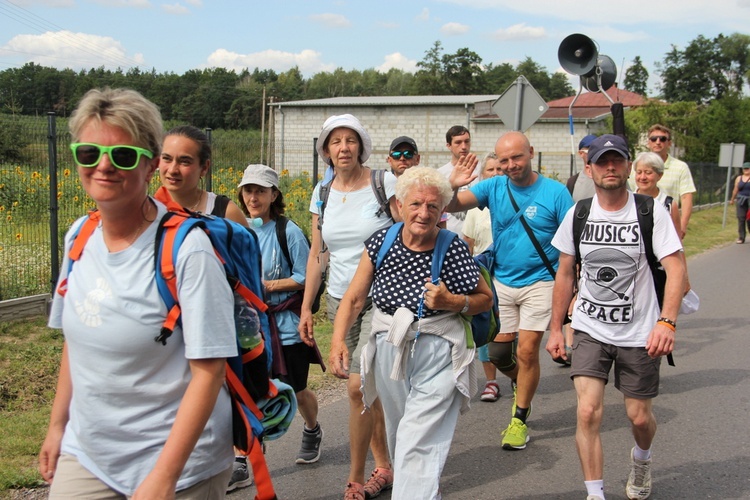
<point>400,280</point>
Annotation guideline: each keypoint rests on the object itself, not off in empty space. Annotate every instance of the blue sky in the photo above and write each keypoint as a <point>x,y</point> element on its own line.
<point>178,35</point>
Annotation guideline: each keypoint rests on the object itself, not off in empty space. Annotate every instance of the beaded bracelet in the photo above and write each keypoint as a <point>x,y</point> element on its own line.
<point>668,323</point>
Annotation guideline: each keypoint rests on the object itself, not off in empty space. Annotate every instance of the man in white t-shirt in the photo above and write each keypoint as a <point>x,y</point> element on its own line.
<point>458,141</point>
<point>616,318</point>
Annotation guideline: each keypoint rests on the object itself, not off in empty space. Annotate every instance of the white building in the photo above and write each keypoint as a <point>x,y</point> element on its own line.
<point>294,126</point>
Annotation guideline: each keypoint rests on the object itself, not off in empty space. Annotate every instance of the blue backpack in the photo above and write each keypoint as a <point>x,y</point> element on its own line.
<point>247,374</point>
<point>484,325</point>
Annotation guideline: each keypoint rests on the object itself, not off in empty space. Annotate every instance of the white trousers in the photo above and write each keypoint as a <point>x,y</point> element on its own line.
<point>421,412</point>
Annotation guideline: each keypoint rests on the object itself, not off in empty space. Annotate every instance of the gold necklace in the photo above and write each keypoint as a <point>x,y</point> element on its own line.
<point>137,231</point>
<point>354,184</point>
<point>200,197</point>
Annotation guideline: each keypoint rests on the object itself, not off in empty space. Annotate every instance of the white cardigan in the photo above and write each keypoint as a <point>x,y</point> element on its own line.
<point>401,328</point>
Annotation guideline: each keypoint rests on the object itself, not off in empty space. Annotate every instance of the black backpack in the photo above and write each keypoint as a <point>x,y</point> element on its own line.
<point>281,223</point>
<point>645,212</point>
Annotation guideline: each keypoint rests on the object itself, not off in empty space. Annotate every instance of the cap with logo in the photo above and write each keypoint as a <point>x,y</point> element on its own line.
<point>607,142</point>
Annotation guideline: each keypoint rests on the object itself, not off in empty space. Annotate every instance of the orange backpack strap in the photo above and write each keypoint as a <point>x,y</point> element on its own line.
<point>79,242</point>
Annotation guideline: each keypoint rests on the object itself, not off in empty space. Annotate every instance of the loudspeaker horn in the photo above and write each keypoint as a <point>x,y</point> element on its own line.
<point>602,77</point>
<point>578,54</point>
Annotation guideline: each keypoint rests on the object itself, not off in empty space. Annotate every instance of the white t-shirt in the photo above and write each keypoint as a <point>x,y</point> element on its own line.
<point>127,387</point>
<point>616,301</point>
<point>478,226</point>
<point>455,220</point>
<point>346,226</point>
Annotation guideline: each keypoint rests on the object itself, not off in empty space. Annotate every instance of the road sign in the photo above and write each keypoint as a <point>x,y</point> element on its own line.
<point>731,155</point>
<point>520,106</point>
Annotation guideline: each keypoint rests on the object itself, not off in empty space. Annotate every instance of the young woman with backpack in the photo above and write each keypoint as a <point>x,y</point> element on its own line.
<point>262,202</point>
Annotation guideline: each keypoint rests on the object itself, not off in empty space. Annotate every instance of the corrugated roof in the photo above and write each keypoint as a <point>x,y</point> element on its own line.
<point>394,100</point>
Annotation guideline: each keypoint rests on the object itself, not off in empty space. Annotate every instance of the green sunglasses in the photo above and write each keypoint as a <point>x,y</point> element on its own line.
<point>124,157</point>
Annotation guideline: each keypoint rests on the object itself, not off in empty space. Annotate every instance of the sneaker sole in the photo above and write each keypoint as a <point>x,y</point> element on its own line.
<point>240,484</point>
<point>303,461</point>
<point>508,446</point>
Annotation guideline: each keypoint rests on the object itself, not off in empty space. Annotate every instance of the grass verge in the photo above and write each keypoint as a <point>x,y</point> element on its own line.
<point>30,355</point>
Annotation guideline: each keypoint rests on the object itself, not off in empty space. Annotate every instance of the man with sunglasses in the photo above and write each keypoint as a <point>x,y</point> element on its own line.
<point>677,180</point>
<point>403,154</point>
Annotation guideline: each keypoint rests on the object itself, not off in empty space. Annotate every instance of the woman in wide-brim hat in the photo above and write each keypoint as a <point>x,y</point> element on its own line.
<point>350,216</point>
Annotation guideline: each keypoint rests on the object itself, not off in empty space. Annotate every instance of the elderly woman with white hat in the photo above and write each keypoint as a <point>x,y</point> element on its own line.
<point>351,215</point>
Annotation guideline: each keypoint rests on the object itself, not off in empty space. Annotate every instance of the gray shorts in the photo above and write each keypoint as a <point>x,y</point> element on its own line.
<point>636,373</point>
<point>358,334</point>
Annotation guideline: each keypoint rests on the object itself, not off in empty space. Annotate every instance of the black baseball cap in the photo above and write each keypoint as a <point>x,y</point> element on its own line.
<point>404,140</point>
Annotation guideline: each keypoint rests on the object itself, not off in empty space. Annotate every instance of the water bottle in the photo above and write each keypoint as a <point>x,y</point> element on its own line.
<point>246,323</point>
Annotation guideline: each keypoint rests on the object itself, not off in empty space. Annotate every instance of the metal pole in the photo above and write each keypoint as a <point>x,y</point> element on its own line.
<point>315,162</point>
<point>54,206</point>
<point>519,104</point>
<point>726,189</point>
<point>262,123</point>
<point>209,180</point>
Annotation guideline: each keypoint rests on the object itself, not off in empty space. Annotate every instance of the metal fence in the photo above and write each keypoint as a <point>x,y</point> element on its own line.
<point>41,196</point>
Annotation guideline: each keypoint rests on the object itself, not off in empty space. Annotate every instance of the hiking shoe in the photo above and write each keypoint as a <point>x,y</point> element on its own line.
<point>594,497</point>
<point>380,480</point>
<point>240,475</point>
<point>354,491</point>
<point>639,480</point>
<point>491,392</point>
<point>516,435</point>
<point>309,451</point>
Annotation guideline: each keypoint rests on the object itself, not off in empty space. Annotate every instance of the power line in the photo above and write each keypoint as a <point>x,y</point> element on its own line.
<point>66,37</point>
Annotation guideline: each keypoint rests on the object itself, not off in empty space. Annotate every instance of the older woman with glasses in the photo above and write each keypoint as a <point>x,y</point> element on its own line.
<point>133,418</point>
<point>416,359</point>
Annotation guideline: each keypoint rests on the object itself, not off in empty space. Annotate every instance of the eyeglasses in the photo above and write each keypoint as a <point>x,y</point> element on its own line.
<point>660,138</point>
<point>121,156</point>
<point>396,155</point>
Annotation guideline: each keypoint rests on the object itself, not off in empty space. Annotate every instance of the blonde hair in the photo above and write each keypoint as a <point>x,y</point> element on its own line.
<point>426,177</point>
<point>125,109</point>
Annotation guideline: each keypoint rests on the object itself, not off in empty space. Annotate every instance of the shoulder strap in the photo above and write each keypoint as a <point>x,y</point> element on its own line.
<point>583,207</point>
<point>325,191</point>
<point>220,205</point>
<point>645,211</point>
<point>281,223</point>
<point>390,237</point>
<point>532,237</point>
<point>377,181</point>
<point>444,240</point>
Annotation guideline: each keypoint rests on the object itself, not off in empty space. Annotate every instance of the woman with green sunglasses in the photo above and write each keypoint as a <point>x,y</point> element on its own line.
<point>131,417</point>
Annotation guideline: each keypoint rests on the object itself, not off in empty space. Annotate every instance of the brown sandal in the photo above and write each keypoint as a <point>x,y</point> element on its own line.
<point>354,491</point>
<point>380,480</point>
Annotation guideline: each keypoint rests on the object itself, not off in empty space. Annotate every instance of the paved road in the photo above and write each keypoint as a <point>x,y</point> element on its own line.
<point>702,447</point>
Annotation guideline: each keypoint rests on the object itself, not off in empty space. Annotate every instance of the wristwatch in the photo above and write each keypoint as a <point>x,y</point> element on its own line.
<point>466,304</point>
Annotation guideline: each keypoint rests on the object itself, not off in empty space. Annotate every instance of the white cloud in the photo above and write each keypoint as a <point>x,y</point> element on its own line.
<point>723,13</point>
<point>425,15</point>
<point>307,60</point>
<point>138,4</point>
<point>398,61</point>
<point>519,32</point>
<point>453,29</point>
<point>194,3</point>
<point>176,9</point>
<point>331,20</point>
<point>65,49</point>
<point>609,34</point>
<point>45,3</point>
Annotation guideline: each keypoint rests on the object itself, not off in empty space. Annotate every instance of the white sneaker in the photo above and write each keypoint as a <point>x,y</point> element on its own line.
<point>639,480</point>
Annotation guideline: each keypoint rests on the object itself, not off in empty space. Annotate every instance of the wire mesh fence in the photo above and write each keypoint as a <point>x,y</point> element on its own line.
<point>41,195</point>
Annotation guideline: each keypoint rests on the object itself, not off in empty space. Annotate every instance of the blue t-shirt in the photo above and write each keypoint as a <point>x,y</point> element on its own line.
<point>275,266</point>
<point>544,204</point>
